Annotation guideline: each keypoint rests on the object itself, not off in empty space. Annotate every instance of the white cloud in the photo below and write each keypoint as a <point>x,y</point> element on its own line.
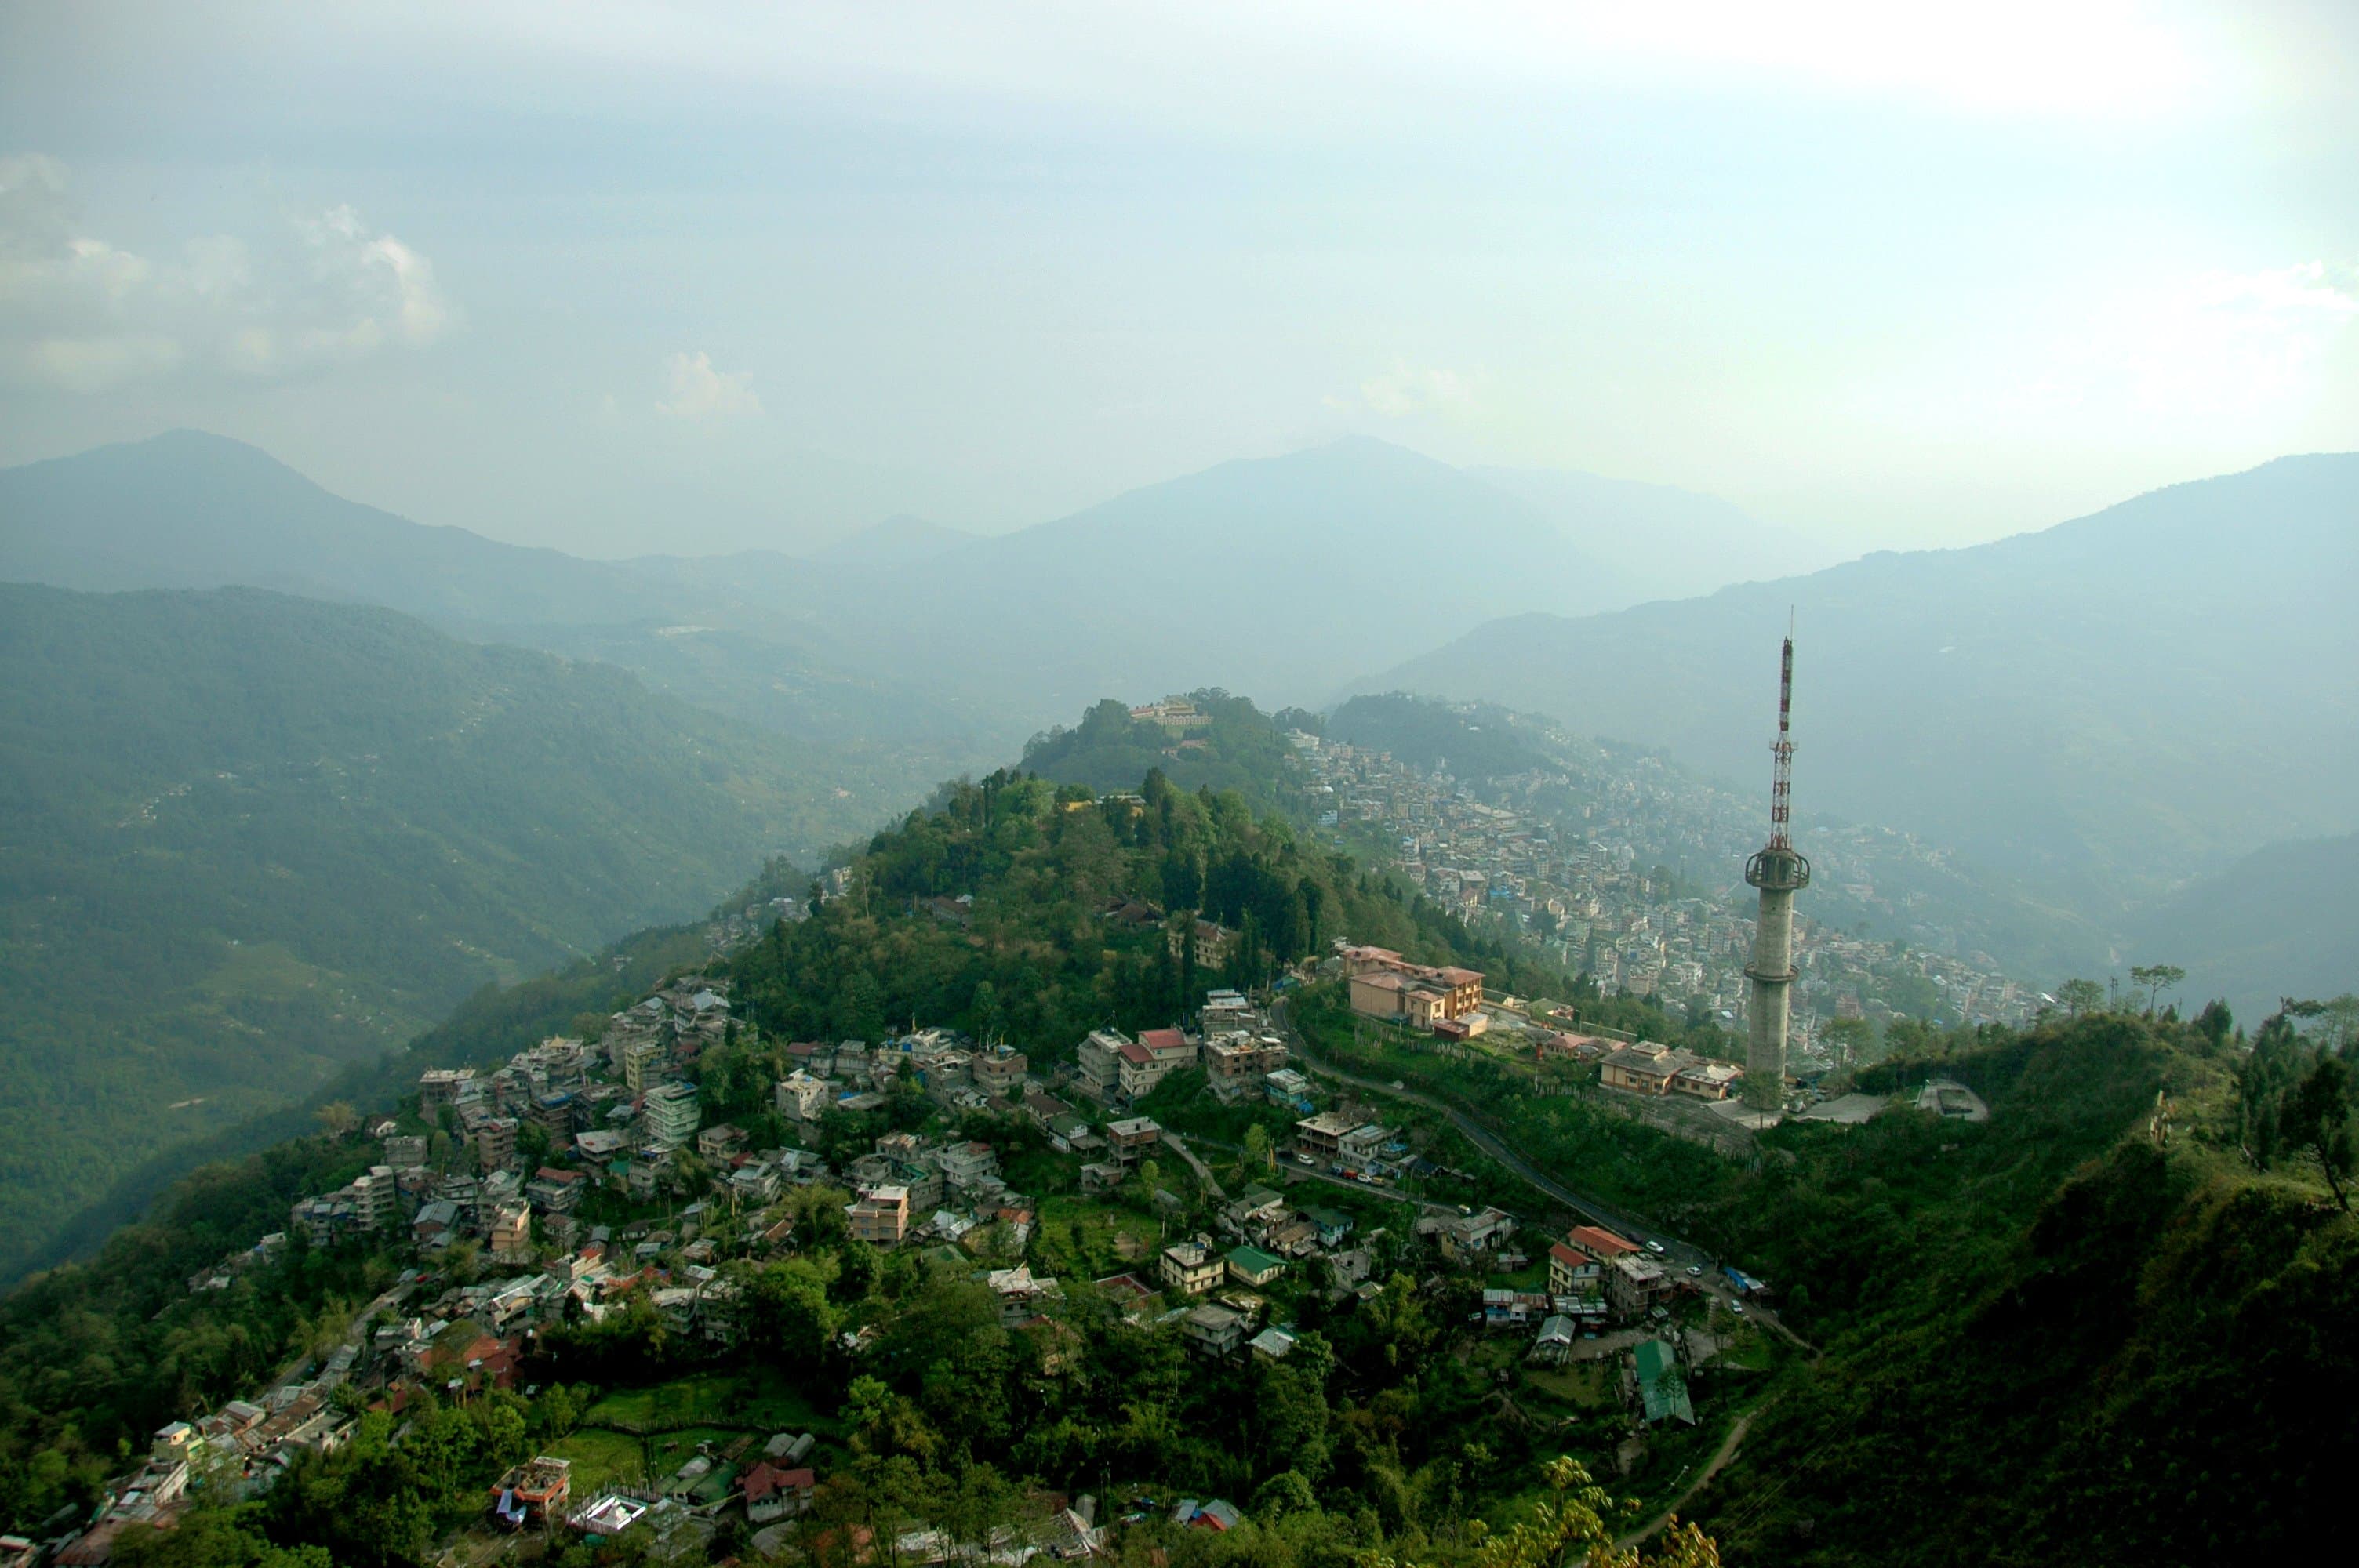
<point>2232,364</point>
<point>1405,390</point>
<point>697,391</point>
<point>80,313</point>
<point>2089,57</point>
<point>2219,344</point>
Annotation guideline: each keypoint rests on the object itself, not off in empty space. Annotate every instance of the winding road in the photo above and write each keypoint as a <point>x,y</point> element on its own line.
<point>1491,1143</point>
<point>1719,1462</point>
<point>1682,1254</point>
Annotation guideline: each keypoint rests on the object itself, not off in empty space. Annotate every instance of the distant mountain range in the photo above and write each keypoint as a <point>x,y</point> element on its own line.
<point>1278,577</point>
<point>1282,576</point>
<point>2103,708</point>
<point>2283,921</point>
<point>246,838</point>
<point>1655,541</point>
<point>188,510</point>
<point>2109,706</point>
<point>896,542</point>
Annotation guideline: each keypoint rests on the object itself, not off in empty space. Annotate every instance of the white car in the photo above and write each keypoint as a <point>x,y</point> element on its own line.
<point>1655,1247</point>
<point>1696,1269</point>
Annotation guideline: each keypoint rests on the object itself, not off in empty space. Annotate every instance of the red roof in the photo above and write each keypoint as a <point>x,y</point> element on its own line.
<point>1568,1255</point>
<point>1163,1040</point>
<point>1137,1053</point>
<point>1599,1244</point>
<point>766,1477</point>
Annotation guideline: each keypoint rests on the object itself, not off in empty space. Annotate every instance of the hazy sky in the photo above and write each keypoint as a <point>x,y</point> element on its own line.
<point>621,278</point>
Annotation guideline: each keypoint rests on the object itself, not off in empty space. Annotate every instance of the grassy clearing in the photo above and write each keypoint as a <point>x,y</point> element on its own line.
<point>755,1400</point>
<point>1082,1237</point>
<point>674,1449</point>
<point>1587,1386</point>
<point>601,1460</point>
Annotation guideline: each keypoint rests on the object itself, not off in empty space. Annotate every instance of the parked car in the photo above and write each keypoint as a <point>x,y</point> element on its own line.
<point>1694,1269</point>
<point>1655,1247</point>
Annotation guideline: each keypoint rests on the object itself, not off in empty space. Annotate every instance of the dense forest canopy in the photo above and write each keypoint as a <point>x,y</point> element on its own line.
<point>1000,912</point>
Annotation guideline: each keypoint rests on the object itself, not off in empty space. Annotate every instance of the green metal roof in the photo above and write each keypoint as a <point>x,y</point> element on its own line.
<point>1254,1260</point>
<point>1662,1387</point>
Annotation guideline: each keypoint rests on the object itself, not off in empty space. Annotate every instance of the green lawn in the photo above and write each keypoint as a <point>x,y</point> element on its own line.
<point>1531,1277</point>
<point>601,1460</point>
<point>1587,1386</point>
<point>1077,1236</point>
<point>674,1449</point>
<point>758,1398</point>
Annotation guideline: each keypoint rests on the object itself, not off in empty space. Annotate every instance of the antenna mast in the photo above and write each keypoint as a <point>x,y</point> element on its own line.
<point>1782,778</point>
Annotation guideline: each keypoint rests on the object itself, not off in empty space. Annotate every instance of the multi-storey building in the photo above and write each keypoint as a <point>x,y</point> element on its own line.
<point>1098,1062</point>
<point>1190,1269</point>
<point>999,1072</point>
<point>881,1215</point>
<point>670,1114</point>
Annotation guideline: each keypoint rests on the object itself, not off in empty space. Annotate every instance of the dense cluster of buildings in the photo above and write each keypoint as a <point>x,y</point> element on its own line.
<point>1579,862</point>
<point>586,1176</point>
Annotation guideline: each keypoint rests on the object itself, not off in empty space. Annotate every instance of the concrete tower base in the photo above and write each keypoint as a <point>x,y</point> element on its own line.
<point>1778,871</point>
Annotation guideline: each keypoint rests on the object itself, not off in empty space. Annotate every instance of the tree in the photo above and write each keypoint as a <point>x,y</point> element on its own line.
<point>1851,1038</point>
<point>1569,1528</point>
<point>2215,1023</point>
<point>2157,979</point>
<point>2080,996</point>
<point>1258,1149</point>
<point>2338,1025</point>
<point>337,1118</point>
<point>990,1020</point>
<point>2317,1120</point>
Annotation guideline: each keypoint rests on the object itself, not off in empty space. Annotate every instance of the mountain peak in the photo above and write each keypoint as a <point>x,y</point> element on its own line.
<point>895,541</point>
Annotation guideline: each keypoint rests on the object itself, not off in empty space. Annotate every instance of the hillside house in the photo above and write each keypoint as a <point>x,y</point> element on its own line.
<point>1097,1063</point>
<point>773,1494</point>
<point>533,1492</point>
<point>1385,985</point>
<point>1321,1136</point>
<point>1658,1386</point>
<point>1251,1266</point>
<point>1214,1331</point>
<point>1472,1236</point>
<point>1132,1138</point>
<point>999,1072</point>
<point>881,1217</point>
<point>1633,1282</point>
<point>1190,1269</point>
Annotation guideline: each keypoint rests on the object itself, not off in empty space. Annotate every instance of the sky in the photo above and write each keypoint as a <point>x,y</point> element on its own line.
<point>626,279</point>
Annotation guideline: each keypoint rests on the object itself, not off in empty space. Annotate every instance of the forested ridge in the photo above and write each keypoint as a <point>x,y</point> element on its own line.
<point>246,839</point>
<point>1001,911</point>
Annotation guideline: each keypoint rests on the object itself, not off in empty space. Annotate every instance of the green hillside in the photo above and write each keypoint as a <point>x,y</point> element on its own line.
<point>2282,921</point>
<point>2092,1329</point>
<point>187,510</point>
<point>1030,953</point>
<point>246,838</point>
<point>1237,746</point>
<point>2103,708</point>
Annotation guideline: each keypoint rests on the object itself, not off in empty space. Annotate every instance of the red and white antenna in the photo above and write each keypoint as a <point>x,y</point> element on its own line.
<point>1781,777</point>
